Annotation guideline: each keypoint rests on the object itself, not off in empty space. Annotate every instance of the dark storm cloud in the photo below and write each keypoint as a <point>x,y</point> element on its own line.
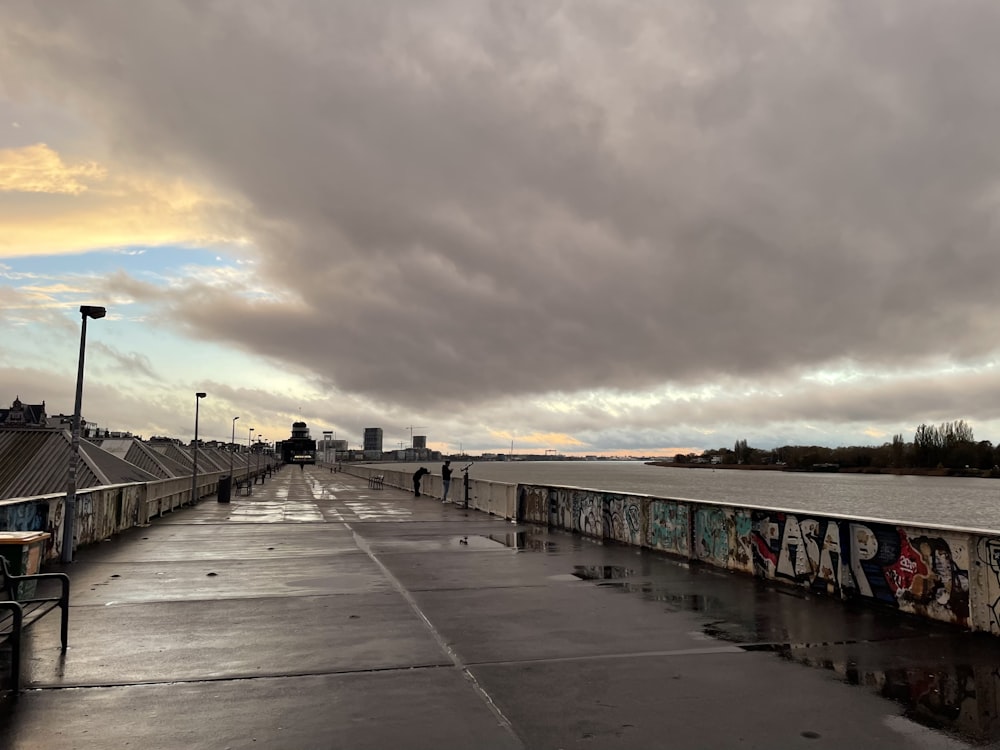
<point>475,200</point>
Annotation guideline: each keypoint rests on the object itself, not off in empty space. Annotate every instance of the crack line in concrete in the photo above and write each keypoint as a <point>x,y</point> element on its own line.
<point>459,664</point>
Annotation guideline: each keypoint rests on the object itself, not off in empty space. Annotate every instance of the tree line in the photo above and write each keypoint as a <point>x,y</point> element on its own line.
<point>950,445</point>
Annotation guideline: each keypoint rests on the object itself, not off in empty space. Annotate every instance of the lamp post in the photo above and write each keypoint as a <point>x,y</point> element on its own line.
<point>249,437</point>
<point>194,472</point>
<point>232,449</point>
<point>86,311</point>
<point>256,469</point>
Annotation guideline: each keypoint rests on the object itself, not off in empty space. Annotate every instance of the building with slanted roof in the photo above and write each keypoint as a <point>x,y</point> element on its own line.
<point>36,462</point>
<point>146,457</point>
<point>23,415</point>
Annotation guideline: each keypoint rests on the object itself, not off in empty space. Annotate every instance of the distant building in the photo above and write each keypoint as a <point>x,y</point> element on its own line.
<point>419,441</point>
<point>332,449</point>
<point>23,415</point>
<point>373,440</point>
<point>300,448</point>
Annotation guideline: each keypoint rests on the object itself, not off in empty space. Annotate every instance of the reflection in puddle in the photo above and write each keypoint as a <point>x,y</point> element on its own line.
<point>473,541</point>
<point>523,540</point>
<point>602,572</point>
<point>957,698</point>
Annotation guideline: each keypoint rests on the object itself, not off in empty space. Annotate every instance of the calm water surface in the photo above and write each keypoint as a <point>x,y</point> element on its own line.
<point>949,501</point>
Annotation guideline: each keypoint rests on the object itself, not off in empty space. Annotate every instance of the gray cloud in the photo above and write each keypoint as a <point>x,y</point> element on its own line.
<point>482,202</point>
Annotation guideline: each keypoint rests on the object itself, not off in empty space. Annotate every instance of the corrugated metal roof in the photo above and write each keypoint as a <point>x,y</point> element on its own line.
<point>36,462</point>
<point>111,468</point>
<point>174,459</point>
<point>145,456</point>
<point>182,456</point>
<point>174,453</point>
<point>217,456</point>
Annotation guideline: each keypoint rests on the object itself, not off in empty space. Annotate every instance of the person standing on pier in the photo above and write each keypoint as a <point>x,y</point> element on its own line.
<point>445,480</point>
<point>417,476</point>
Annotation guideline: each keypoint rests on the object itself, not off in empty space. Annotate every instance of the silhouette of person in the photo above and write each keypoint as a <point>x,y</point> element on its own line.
<point>445,480</point>
<point>417,476</point>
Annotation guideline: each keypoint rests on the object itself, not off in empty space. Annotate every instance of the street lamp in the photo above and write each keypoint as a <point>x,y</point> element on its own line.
<point>249,437</point>
<point>232,449</point>
<point>86,311</point>
<point>260,439</point>
<point>194,473</point>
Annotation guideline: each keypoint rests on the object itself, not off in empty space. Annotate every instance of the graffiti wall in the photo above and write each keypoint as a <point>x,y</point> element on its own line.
<point>602,515</point>
<point>25,516</point>
<point>804,551</point>
<point>916,571</point>
<point>668,529</point>
<point>925,572</point>
<point>581,511</point>
<point>623,519</point>
<point>534,504</point>
<point>722,537</point>
<point>988,566</point>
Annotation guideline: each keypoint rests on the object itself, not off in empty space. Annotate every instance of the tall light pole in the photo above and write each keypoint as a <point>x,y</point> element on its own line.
<point>249,437</point>
<point>260,439</point>
<point>232,450</point>
<point>69,522</point>
<point>194,472</point>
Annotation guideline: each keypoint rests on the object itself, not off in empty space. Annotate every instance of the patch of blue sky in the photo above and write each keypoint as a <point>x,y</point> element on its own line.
<point>138,260</point>
<point>130,353</point>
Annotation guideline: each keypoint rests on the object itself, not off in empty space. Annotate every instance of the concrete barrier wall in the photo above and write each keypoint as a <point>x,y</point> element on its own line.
<point>495,498</point>
<point>101,512</point>
<point>940,573</point>
<point>169,494</point>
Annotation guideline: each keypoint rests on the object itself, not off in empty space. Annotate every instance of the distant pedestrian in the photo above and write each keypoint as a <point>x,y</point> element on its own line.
<point>302,467</point>
<point>445,480</point>
<point>417,476</point>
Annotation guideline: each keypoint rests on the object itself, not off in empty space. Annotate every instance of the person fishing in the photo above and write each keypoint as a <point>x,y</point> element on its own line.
<point>417,476</point>
<point>445,480</point>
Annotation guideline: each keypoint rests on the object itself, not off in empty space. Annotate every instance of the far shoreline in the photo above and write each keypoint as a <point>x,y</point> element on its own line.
<point>940,472</point>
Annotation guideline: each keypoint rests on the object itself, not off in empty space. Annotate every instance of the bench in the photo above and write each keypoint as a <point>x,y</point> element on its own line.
<point>17,615</point>
<point>244,487</point>
<point>375,482</point>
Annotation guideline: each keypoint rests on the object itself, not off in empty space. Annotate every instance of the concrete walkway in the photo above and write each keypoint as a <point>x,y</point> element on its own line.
<point>317,613</point>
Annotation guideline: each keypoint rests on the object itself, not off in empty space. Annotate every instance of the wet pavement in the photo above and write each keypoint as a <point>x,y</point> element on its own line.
<point>318,613</point>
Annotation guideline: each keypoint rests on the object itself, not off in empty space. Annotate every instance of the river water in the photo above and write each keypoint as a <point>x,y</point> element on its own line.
<point>964,502</point>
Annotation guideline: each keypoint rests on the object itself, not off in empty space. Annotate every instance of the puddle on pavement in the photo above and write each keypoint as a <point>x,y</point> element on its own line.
<point>602,572</point>
<point>523,540</point>
<point>957,699</point>
<point>475,542</point>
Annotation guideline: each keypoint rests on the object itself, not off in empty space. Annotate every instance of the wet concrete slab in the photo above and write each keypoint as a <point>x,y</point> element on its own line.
<point>187,541</point>
<point>318,613</point>
<point>694,701</point>
<point>422,709</point>
<point>225,639</point>
<point>237,578</point>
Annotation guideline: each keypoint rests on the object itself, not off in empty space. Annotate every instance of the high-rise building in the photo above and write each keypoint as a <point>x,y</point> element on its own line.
<point>419,441</point>
<point>373,439</point>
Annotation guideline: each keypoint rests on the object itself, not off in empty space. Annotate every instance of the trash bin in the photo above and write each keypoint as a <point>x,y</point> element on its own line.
<point>24,551</point>
<point>225,488</point>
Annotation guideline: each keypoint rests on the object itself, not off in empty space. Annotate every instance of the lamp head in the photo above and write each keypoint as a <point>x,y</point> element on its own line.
<point>199,395</point>
<point>235,418</point>
<point>89,311</point>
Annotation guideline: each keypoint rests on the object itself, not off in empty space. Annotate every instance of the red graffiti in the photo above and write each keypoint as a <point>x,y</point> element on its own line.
<point>908,568</point>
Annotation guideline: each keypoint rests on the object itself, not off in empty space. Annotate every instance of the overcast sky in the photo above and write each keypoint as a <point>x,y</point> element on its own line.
<point>589,227</point>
